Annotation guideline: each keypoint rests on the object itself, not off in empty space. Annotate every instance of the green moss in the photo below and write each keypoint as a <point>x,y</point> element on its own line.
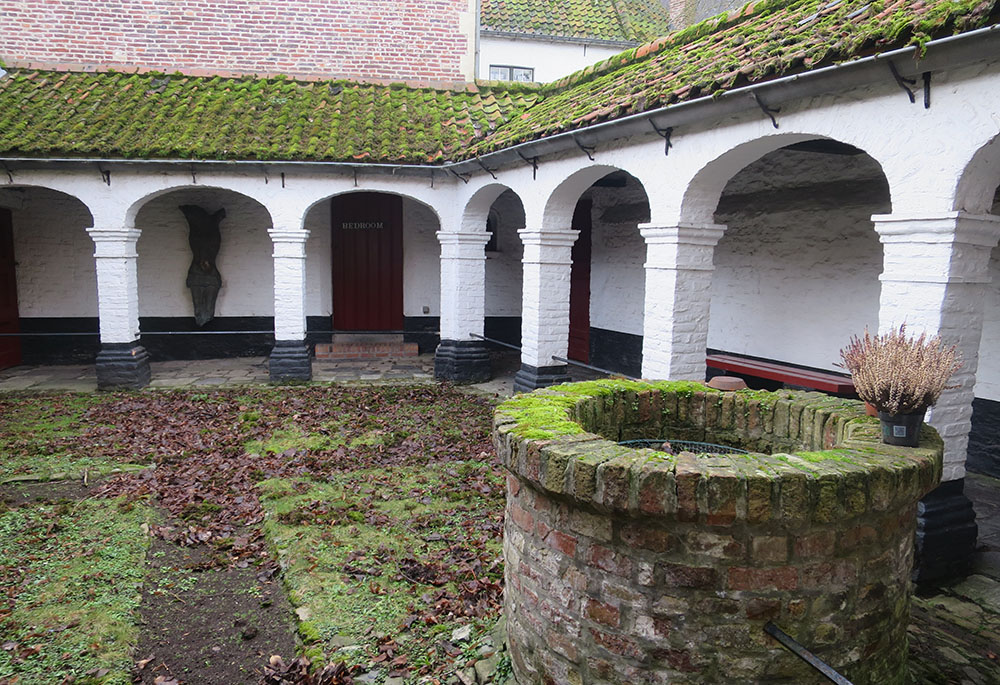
<point>80,566</point>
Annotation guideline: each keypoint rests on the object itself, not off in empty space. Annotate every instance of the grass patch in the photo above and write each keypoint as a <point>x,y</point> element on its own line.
<point>72,574</point>
<point>413,552</point>
<point>36,437</point>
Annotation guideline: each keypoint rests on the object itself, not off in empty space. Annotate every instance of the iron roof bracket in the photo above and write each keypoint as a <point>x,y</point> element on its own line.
<point>265,175</point>
<point>665,134</point>
<point>903,83</point>
<point>105,174</point>
<point>769,111</point>
<point>10,175</point>
<point>194,175</point>
<point>586,150</point>
<point>465,179</point>
<point>927,89</point>
<point>486,168</point>
<point>533,161</point>
<point>282,179</point>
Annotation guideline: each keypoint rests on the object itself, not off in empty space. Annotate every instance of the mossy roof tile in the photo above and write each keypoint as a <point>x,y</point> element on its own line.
<point>110,114</point>
<point>616,20</point>
<point>118,115</point>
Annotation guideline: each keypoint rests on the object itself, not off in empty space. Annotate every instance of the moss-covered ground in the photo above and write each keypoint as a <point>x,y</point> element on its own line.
<point>71,574</point>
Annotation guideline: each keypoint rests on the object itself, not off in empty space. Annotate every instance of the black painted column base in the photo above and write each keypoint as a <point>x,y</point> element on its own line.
<point>462,361</point>
<point>122,366</point>
<point>532,377</point>
<point>290,360</point>
<point>946,534</point>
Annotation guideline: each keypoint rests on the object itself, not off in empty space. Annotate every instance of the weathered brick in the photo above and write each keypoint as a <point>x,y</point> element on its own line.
<point>610,561</point>
<point>645,537</point>
<point>699,577</point>
<point>592,525</point>
<point>770,549</point>
<point>758,609</point>
<point>818,544</point>
<point>777,578</point>
<point>620,645</point>
<point>562,542</point>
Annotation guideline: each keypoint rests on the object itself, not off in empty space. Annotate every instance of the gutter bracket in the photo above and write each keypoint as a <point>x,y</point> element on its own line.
<point>355,170</point>
<point>927,89</point>
<point>665,134</point>
<point>586,150</point>
<point>533,161</point>
<point>282,179</point>
<point>105,174</point>
<point>454,173</point>
<point>769,111</point>
<point>903,83</point>
<point>264,169</point>
<point>486,168</point>
<point>194,176</point>
<point>10,176</point>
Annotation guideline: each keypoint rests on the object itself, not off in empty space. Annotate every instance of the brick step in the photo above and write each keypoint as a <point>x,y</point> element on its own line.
<point>365,350</point>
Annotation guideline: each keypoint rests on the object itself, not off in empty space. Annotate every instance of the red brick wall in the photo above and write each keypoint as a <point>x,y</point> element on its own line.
<point>410,40</point>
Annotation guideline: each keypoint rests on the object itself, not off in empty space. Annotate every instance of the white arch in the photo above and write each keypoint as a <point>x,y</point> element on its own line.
<point>477,207</point>
<point>703,191</point>
<point>561,203</point>
<point>136,206</point>
<point>978,183</point>
<point>53,187</point>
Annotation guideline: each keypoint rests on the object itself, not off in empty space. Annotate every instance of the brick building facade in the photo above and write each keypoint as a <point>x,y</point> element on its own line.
<point>384,40</point>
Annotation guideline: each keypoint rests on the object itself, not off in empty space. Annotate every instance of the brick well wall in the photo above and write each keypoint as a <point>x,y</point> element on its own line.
<point>627,566</point>
<point>381,39</point>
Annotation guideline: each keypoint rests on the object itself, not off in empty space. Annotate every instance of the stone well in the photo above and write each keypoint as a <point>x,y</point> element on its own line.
<point>636,566</point>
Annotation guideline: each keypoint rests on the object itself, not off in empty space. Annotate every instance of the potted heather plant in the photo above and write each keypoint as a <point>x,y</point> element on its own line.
<point>901,376</point>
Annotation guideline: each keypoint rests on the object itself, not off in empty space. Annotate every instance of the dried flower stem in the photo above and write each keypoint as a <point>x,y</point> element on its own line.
<point>899,374</point>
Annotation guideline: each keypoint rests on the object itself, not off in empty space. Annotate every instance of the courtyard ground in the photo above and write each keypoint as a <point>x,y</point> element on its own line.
<point>224,531</point>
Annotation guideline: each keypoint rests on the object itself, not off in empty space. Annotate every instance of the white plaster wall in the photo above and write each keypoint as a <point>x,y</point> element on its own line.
<point>617,276</point>
<point>503,267</point>
<point>796,273</point>
<point>550,60</point>
<point>244,258</point>
<point>319,261</point>
<point>988,374</point>
<point>421,260</point>
<point>56,275</point>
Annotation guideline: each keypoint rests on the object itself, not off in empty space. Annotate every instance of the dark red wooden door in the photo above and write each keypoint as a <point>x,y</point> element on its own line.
<point>579,286</point>
<point>367,262</point>
<point>10,347</point>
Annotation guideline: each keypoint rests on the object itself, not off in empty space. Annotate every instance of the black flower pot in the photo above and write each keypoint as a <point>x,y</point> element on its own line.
<point>901,429</point>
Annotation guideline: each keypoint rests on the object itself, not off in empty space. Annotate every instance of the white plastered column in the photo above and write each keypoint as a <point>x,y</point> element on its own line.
<point>934,279</point>
<point>679,265</point>
<point>289,283</point>
<point>461,357</point>
<point>117,283</point>
<point>291,357</point>
<point>463,283</point>
<point>547,263</point>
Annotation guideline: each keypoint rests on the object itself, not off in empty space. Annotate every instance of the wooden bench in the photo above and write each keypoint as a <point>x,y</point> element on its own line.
<point>817,380</point>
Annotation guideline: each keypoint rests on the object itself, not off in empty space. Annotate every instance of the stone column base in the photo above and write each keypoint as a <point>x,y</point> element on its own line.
<point>532,377</point>
<point>122,366</point>
<point>946,534</point>
<point>290,360</point>
<point>462,361</point>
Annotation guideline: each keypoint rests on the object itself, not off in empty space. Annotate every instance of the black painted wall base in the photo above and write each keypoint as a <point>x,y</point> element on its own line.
<point>122,366</point>
<point>462,361</point>
<point>946,534</point>
<point>532,377</point>
<point>291,360</point>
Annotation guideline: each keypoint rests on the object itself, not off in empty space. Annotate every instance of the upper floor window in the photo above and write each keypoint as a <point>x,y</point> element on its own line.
<point>501,72</point>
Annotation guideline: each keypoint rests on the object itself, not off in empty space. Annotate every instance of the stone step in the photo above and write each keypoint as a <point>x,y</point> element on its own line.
<point>342,351</point>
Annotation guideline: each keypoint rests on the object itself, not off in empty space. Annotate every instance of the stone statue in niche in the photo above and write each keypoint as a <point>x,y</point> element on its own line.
<point>203,277</point>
